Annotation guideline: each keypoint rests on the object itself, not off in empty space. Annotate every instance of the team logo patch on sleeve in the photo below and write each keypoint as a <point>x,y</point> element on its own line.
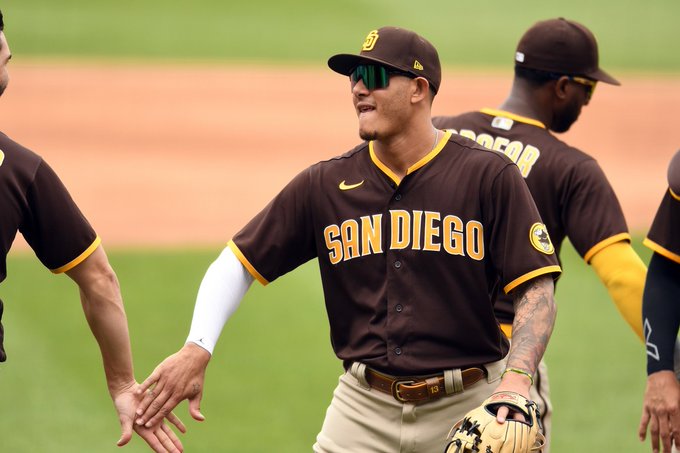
<point>540,239</point>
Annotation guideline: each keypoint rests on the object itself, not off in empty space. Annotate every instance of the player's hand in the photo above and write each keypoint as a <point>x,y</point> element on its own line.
<point>160,438</point>
<point>181,376</point>
<point>512,382</point>
<point>661,410</point>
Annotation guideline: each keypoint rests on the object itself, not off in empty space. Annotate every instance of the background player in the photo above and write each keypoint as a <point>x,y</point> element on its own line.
<point>556,71</point>
<point>661,313</point>
<point>34,201</point>
<point>407,262</point>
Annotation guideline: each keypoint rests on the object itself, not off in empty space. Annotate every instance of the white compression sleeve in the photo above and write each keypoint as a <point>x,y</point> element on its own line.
<point>225,283</point>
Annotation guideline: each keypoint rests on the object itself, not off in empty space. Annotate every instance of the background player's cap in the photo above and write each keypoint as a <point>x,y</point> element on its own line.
<point>397,48</point>
<point>561,46</point>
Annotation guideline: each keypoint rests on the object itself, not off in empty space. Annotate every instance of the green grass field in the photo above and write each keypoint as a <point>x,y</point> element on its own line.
<point>633,35</point>
<point>273,372</point>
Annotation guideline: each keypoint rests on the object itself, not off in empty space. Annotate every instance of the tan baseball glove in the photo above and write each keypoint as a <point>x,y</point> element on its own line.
<point>479,431</point>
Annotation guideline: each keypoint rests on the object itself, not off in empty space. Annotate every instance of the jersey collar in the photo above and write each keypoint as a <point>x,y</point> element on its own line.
<point>512,116</point>
<point>431,155</point>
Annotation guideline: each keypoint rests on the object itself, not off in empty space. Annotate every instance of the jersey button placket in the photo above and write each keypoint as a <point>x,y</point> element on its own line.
<point>398,308</point>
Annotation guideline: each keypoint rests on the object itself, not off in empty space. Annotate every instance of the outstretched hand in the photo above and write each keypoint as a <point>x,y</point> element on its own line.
<point>181,376</point>
<point>160,438</point>
<point>661,411</point>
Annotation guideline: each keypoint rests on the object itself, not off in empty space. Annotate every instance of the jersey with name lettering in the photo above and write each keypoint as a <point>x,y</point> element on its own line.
<point>410,267</point>
<point>572,193</point>
<point>33,200</point>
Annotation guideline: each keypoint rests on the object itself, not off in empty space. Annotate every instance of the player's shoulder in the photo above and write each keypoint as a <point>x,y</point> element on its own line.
<point>354,159</point>
<point>674,173</point>
<point>352,153</point>
<point>469,149</point>
<point>454,121</point>
<point>565,155</point>
<point>13,154</point>
<point>358,152</point>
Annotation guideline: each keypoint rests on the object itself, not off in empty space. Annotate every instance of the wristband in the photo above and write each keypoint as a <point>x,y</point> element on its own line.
<point>518,371</point>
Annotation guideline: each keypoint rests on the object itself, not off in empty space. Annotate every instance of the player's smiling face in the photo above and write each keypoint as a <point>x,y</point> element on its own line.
<point>382,112</point>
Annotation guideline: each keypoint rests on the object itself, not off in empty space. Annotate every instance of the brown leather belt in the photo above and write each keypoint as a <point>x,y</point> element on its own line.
<point>418,390</point>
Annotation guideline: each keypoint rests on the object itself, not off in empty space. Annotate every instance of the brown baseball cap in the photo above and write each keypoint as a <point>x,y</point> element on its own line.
<point>396,48</point>
<point>561,46</point>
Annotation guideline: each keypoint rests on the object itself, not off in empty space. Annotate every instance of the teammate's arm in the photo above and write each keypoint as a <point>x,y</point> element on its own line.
<point>661,312</point>
<point>103,307</point>
<point>623,274</point>
<point>181,376</point>
<point>535,313</point>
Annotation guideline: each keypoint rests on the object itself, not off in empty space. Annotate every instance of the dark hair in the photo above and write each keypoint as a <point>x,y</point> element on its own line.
<point>2,24</point>
<point>535,76</point>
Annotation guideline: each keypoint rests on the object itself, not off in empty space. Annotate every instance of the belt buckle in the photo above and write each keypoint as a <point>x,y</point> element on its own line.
<point>395,389</point>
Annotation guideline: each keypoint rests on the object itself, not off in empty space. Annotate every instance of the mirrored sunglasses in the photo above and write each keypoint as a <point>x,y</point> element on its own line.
<point>589,84</point>
<point>375,77</point>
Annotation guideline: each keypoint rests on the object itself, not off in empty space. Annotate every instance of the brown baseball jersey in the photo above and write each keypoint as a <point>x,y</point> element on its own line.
<point>34,201</point>
<point>572,193</point>
<point>663,236</point>
<point>411,267</point>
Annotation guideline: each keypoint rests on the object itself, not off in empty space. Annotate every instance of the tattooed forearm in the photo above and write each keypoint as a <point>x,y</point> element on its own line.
<point>535,312</point>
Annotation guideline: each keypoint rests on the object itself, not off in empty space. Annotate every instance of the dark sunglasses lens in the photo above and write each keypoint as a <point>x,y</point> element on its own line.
<point>589,85</point>
<point>374,77</point>
<point>591,90</point>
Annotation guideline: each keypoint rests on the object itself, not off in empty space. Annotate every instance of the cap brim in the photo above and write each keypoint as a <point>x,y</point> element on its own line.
<point>602,76</point>
<point>345,63</point>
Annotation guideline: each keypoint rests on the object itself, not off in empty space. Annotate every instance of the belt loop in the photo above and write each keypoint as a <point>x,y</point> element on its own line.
<point>453,381</point>
<point>358,370</point>
<point>494,370</point>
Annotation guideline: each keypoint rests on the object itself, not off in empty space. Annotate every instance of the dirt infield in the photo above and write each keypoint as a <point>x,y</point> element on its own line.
<point>182,156</point>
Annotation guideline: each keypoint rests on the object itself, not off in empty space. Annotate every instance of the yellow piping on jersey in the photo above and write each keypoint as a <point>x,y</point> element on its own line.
<point>661,250</point>
<point>512,116</point>
<point>431,155</point>
<point>79,259</point>
<point>673,194</point>
<point>382,166</point>
<point>234,248</point>
<point>602,244</point>
<point>528,276</point>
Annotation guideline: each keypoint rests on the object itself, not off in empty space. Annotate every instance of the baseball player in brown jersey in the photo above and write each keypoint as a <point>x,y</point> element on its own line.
<point>661,314</point>
<point>556,71</point>
<point>415,231</point>
<point>34,201</point>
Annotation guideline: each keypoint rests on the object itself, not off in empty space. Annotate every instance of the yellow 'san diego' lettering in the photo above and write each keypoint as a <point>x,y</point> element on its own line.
<point>414,230</point>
